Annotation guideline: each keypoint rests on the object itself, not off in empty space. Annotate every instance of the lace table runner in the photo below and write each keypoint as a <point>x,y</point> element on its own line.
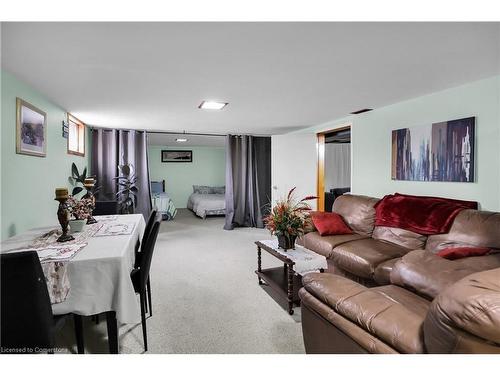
<point>305,260</point>
<point>55,255</point>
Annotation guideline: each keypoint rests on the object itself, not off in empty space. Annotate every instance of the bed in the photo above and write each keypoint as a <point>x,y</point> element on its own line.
<point>161,201</point>
<point>207,201</point>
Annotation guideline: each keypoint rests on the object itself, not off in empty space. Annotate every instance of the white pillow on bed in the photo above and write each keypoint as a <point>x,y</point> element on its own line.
<point>219,190</point>
<point>201,189</point>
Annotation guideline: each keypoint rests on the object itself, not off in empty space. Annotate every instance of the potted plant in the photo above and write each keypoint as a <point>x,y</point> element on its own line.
<point>127,190</point>
<point>287,219</point>
<point>80,210</point>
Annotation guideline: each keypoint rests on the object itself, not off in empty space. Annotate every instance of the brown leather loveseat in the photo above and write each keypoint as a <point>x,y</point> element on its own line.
<point>386,291</point>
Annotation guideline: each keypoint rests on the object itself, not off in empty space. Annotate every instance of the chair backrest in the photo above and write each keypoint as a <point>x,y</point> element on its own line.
<point>147,253</point>
<point>105,208</point>
<point>149,226</point>
<point>26,314</point>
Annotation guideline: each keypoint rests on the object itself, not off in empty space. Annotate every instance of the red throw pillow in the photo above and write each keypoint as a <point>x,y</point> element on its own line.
<point>462,252</point>
<point>328,223</point>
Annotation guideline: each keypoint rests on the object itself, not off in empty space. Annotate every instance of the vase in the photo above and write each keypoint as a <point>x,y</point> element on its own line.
<point>286,242</point>
<point>76,225</point>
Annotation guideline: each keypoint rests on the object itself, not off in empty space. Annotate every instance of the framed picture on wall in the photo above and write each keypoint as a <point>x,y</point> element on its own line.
<point>31,129</point>
<point>443,151</point>
<point>176,156</point>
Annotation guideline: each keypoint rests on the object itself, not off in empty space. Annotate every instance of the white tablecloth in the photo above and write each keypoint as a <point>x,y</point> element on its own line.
<point>99,274</point>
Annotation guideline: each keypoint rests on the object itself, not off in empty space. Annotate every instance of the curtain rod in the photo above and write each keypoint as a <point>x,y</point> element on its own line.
<point>178,133</point>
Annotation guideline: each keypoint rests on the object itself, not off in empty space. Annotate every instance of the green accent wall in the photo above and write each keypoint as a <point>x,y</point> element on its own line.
<point>371,137</point>
<point>28,182</point>
<point>208,168</point>
<point>371,142</point>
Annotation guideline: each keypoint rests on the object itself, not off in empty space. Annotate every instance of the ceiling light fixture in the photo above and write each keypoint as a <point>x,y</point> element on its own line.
<point>181,140</point>
<point>209,104</point>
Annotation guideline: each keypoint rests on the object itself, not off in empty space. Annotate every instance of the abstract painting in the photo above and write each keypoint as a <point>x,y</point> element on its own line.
<point>176,156</point>
<point>443,151</point>
<point>31,129</point>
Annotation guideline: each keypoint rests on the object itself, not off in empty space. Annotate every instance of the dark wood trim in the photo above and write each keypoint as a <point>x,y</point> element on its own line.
<point>283,280</point>
<point>274,253</point>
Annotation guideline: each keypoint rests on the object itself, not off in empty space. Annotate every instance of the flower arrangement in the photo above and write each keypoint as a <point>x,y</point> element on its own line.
<point>80,209</point>
<point>287,219</point>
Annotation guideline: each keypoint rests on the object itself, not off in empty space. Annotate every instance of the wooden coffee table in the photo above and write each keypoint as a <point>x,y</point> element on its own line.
<point>283,280</point>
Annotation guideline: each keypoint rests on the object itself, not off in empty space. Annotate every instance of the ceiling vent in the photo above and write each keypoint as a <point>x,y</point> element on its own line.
<point>361,111</point>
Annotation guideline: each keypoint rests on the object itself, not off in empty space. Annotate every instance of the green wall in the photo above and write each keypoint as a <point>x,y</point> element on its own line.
<point>371,142</point>
<point>208,168</point>
<point>28,182</point>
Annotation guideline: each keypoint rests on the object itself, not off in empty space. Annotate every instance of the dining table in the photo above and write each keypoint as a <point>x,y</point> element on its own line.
<point>95,277</point>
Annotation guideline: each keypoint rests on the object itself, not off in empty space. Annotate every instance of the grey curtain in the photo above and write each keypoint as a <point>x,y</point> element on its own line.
<point>248,180</point>
<point>110,148</point>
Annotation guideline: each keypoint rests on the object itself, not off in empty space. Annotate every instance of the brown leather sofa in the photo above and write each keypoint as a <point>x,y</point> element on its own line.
<point>387,292</point>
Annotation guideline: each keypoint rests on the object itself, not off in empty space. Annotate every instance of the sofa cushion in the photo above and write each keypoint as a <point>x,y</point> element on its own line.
<point>330,223</point>
<point>470,228</point>
<point>392,314</point>
<point>428,274</point>
<point>358,212</point>
<point>401,237</point>
<point>363,256</point>
<point>466,316</point>
<point>324,245</point>
<point>382,275</point>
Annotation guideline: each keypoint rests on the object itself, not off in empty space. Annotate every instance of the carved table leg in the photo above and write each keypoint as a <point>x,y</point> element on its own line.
<point>290,290</point>
<point>259,263</point>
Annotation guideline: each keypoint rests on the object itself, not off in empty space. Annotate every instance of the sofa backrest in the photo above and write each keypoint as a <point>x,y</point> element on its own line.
<point>358,212</point>
<point>465,317</point>
<point>470,228</point>
<point>399,236</point>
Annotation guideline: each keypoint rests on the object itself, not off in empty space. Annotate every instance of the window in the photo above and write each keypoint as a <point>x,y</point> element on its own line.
<point>76,136</point>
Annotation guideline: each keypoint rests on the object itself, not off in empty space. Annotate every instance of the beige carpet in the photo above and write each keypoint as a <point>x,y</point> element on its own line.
<point>206,298</point>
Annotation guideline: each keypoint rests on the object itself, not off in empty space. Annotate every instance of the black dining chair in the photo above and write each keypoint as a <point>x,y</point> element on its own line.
<point>27,322</point>
<point>139,249</point>
<point>140,275</point>
<point>138,252</point>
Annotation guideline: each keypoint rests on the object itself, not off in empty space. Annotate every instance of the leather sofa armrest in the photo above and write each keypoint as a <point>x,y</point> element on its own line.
<point>427,274</point>
<point>466,316</point>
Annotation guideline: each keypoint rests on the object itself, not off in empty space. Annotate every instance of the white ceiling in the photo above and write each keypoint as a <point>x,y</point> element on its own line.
<point>277,77</point>
<point>192,140</point>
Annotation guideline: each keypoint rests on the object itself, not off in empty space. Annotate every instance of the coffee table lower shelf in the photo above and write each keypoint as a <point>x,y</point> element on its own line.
<point>277,279</point>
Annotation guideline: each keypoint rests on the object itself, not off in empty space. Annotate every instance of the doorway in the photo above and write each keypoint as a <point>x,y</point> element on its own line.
<point>334,166</point>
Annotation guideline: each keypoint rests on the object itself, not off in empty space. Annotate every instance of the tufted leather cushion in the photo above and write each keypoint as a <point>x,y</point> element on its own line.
<point>466,316</point>
<point>383,271</point>
<point>358,212</point>
<point>470,228</point>
<point>324,245</point>
<point>362,257</point>
<point>428,274</point>
<point>401,237</point>
<point>392,314</point>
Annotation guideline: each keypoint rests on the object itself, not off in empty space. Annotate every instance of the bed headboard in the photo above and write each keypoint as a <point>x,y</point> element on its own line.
<point>157,186</point>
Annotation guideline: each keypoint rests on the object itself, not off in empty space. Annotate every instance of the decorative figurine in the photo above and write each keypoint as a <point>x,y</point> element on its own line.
<point>63,214</point>
<point>89,185</point>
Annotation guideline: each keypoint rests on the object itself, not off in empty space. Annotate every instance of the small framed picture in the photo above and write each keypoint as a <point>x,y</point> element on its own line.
<point>31,129</point>
<point>176,156</point>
